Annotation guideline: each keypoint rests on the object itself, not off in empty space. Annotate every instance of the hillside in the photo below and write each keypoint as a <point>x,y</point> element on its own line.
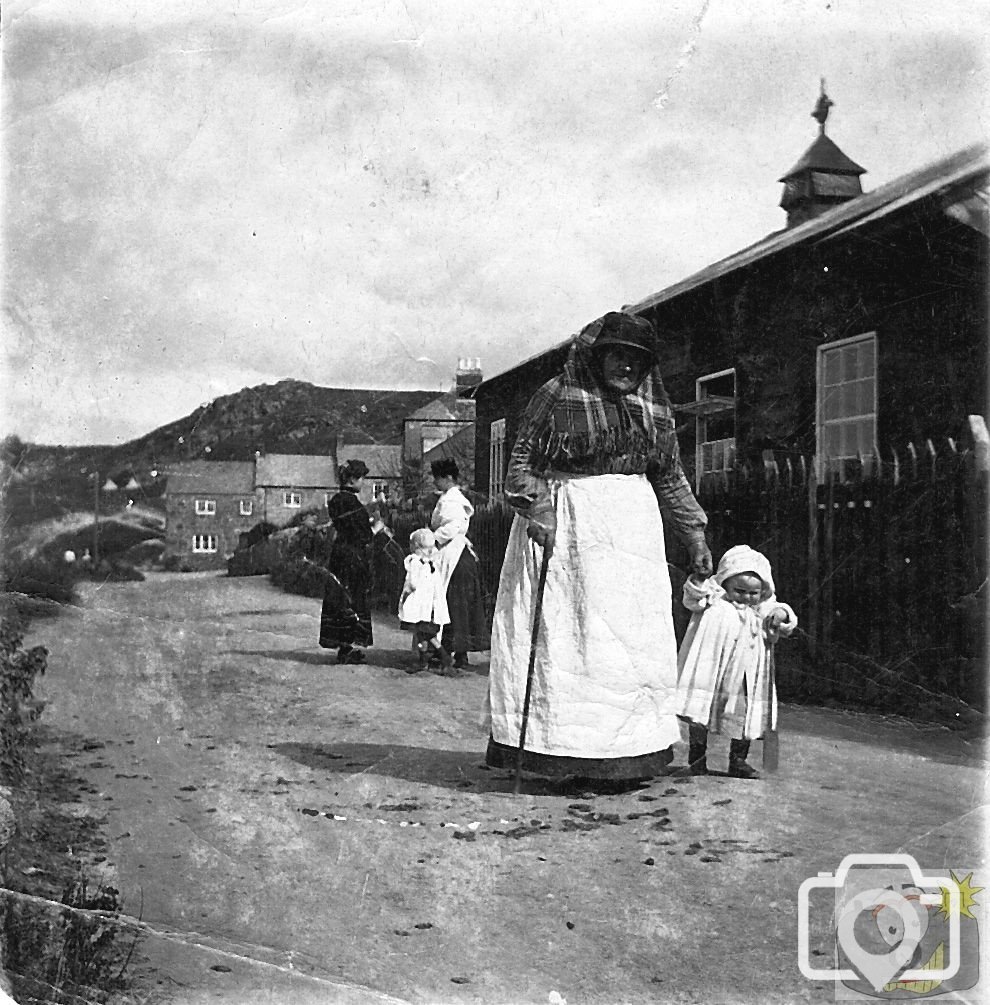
<point>292,417</point>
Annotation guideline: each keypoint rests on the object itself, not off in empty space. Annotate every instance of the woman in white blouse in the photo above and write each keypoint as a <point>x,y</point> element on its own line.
<point>468,629</point>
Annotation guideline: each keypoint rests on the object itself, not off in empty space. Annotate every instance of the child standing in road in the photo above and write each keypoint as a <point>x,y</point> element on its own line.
<point>726,656</point>
<point>423,604</point>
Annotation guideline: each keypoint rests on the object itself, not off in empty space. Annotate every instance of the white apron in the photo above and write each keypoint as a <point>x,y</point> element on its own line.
<point>606,668</point>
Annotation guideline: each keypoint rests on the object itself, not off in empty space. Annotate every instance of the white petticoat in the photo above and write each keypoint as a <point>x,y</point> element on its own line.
<point>606,666</point>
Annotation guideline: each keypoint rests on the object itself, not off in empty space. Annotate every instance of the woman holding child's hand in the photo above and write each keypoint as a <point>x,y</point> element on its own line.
<point>594,474</point>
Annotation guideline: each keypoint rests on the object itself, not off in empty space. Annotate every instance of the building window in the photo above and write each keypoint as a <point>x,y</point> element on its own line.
<point>247,507</point>
<point>847,402</point>
<point>714,411</point>
<point>379,490</point>
<point>293,499</point>
<point>496,459</point>
<point>206,507</point>
<point>204,544</point>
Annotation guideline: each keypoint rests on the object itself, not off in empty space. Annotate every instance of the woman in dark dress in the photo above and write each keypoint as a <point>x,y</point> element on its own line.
<point>468,628</point>
<point>345,621</point>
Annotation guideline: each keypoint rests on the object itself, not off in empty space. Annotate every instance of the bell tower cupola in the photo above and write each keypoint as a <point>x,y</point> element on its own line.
<point>824,176</point>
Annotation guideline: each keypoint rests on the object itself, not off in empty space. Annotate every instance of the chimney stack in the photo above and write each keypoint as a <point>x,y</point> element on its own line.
<point>468,375</point>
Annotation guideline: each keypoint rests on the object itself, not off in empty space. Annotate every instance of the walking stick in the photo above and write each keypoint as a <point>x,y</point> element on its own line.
<point>537,614</point>
<point>771,744</point>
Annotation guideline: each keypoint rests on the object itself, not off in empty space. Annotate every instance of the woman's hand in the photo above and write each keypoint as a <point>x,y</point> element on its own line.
<point>700,558</point>
<point>542,525</point>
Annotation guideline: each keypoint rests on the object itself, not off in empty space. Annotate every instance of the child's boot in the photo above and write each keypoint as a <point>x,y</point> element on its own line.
<point>439,654</point>
<point>738,768</point>
<point>697,748</point>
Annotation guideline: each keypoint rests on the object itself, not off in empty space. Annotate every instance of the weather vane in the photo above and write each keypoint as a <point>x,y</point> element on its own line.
<point>822,106</point>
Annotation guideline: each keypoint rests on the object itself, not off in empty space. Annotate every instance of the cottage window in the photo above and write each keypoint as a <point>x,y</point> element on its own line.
<point>379,490</point>
<point>714,411</point>
<point>847,402</point>
<point>496,459</point>
<point>293,499</point>
<point>206,507</point>
<point>247,507</point>
<point>204,543</point>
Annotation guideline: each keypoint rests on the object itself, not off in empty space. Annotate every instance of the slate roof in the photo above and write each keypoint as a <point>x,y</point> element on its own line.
<point>215,477</point>
<point>445,408</point>
<point>302,471</point>
<point>384,461</point>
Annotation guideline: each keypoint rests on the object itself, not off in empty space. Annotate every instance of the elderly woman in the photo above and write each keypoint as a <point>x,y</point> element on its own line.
<point>594,466</point>
<point>467,630</point>
<point>345,621</point>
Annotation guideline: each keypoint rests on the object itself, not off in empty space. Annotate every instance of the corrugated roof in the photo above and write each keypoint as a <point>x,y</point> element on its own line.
<point>910,188</point>
<point>824,155</point>
<point>295,471</point>
<point>216,477</point>
<point>383,460</point>
<point>957,169</point>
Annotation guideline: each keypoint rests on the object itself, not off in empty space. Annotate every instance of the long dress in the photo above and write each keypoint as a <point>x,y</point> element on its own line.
<point>603,697</point>
<point>467,630</point>
<point>345,619</point>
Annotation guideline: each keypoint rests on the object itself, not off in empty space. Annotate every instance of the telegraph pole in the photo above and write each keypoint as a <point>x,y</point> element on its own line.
<point>96,518</point>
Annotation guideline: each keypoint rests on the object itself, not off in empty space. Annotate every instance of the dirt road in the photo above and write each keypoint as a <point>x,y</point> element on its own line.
<point>299,831</point>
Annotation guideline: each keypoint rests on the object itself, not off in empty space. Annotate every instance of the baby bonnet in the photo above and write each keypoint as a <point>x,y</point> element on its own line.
<point>742,558</point>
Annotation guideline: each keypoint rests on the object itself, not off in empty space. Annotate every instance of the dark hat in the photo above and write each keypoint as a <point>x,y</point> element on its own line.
<point>353,469</point>
<point>446,467</point>
<point>618,328</point>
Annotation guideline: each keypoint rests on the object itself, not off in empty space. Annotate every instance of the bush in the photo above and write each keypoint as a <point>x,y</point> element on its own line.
<point>256,534</point>
<point>71,952</point>
<point>42,578</point>
<point>111,571</point>
<point>18,706</point>
<point>147,552</point>
<point>305,514</point>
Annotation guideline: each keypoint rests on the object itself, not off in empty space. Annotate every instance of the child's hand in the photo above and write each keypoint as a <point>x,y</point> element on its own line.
<point>776,618</point>
<point>772,623</point>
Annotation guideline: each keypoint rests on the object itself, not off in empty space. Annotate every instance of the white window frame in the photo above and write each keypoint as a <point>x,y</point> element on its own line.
<point>292,499</point>
<point>857,415</point>
<point>206,507</point>
<point>247,507</point>
<point>496,459</point>
<point>205,544</point>
<point>724,449</point>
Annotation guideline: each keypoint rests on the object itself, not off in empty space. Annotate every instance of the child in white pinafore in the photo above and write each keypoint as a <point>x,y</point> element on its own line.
<point>423,604</point>
<point>725,660</point>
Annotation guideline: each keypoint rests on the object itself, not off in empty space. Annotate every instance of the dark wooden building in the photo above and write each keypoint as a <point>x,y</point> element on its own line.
<point>858,328</point>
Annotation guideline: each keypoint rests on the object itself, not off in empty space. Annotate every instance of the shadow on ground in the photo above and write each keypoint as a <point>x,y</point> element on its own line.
<point>458,770</point>
<point>388,659</point>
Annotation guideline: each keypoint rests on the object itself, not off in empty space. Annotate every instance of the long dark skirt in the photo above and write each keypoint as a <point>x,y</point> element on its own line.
<point>346,616</point>
<point>468,628</point>
<point>615,769</point>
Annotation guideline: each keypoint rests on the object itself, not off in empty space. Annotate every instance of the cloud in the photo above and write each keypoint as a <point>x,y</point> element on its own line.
<point>329,191</point>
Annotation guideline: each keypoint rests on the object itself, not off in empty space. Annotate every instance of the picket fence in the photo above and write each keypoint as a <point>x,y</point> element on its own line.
<point>884,561</point>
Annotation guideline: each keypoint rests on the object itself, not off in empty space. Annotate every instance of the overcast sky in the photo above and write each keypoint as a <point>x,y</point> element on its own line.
<point>201,196</point>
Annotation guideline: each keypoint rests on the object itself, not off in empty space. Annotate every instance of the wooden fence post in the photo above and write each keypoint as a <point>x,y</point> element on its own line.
<point>813,546</point>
